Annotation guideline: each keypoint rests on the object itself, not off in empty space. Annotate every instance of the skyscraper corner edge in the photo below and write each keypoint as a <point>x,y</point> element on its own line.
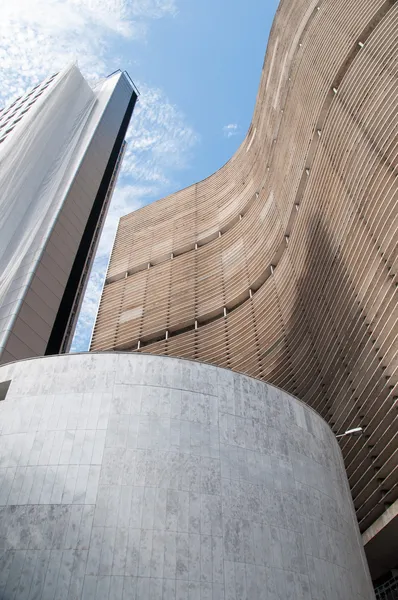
<point>52,266</point>
<point>66,319</point>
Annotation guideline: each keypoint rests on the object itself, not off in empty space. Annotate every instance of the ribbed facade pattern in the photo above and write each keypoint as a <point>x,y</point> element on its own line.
<point>283,264</point>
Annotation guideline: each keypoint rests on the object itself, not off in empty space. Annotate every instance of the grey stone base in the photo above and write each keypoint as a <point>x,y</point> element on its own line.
<point>130,476</point>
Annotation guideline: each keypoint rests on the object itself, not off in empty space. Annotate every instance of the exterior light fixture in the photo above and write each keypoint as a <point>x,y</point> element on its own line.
<point>355,431</point>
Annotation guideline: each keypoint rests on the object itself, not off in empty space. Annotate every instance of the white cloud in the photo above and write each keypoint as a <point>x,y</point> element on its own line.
<point>230,130</point>
<point>125,199</point>
<point>39,37</point>
<point>159,140</point>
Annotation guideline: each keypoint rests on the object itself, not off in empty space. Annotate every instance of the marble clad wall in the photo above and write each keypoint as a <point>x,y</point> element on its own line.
<point>137,476</point>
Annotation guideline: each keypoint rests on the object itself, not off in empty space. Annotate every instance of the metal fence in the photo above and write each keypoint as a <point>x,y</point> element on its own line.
<point>389,589</point>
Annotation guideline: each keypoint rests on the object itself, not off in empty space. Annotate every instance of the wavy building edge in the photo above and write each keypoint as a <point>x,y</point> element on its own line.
<point>283,264</point>
<point>134,476</point>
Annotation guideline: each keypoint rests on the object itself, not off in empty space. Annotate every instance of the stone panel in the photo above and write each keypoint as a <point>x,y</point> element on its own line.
<point>135,476</point>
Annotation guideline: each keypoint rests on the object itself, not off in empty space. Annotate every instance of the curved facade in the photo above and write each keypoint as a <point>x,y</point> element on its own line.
<point>283,264</point>
<point>131,476</point>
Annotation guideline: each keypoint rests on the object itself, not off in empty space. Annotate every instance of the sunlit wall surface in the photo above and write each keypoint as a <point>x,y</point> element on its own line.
<point>59,146</point>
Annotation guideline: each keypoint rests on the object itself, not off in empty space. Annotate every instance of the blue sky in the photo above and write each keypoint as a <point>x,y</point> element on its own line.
<point>197,64</point>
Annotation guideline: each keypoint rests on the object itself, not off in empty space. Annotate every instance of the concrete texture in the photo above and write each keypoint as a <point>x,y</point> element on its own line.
<point>136,476</point>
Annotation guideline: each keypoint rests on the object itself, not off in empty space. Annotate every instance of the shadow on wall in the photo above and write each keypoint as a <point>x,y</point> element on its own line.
<point>333,358</point>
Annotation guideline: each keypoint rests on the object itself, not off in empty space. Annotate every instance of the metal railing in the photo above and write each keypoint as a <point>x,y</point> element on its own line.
<point>389,589</point>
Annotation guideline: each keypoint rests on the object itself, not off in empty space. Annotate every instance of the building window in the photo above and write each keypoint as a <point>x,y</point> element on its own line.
<point>4,385</point>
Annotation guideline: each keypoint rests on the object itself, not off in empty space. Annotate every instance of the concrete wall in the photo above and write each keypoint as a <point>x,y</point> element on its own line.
<point>136,476</point>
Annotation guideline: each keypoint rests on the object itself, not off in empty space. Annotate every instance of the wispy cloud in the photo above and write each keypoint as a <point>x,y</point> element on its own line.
<point>39,37</point>
<point>126,198</point>
<point>159,139</point>
<point>42,36</point>
<point>230,130</point>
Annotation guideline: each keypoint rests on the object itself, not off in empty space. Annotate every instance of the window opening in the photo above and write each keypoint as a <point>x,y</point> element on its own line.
<point>4,385</point>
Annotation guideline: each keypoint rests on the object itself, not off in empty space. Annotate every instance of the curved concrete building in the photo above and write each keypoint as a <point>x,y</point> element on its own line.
<point>128,476</point>
<point>283,264</point>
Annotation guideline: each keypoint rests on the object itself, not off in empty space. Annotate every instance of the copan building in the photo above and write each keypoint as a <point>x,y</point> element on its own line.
<point>283,265</point>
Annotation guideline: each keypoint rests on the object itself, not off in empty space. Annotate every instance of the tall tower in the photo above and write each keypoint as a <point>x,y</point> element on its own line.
<point>283,264</point>
<point>60,149</point>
